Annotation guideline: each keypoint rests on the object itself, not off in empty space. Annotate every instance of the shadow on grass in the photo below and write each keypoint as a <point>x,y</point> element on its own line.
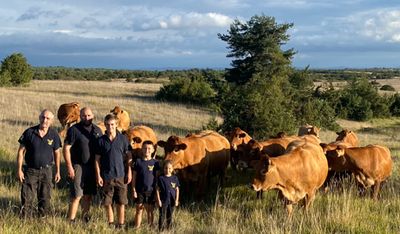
<point>18,122</point>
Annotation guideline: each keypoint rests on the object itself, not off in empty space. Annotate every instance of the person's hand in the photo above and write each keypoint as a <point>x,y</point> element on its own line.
<point>57,177</point>
<point>128,178</point>
<point>176,203</point>
<point>134,194</point>
<point>71,172</point>
<point>21,176</point>
<point>100,181</point>
<point>159,204</point>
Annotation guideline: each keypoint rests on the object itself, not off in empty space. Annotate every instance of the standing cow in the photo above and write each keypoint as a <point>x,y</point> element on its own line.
<point>197,157</point>
<point>371,165</point>
<point>296,175</point>
<point>137,135</point>
<point>68,114</point>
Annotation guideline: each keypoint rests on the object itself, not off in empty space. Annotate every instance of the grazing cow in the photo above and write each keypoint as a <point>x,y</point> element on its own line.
<point>137,135</point>
<point>370,165</point>
<point>198,156</point>
<point>67,114</point>
<point>347,136</point>
<point>123,120</point>
<point>296,175</point>
<point>308,130</point>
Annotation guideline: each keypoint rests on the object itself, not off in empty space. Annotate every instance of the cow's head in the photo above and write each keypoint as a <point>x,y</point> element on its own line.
<point>174,150</point>
<point>335,156</point>
<point>117,110</point>
<point>266,173</point>
<point>237,137</point>
<point>343,134</point>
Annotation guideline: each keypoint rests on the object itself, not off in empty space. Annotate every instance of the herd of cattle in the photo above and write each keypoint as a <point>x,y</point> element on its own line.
<point>296,166</point>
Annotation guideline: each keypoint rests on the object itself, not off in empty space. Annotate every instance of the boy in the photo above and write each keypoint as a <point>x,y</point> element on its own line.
<point>167,194</point>
<point>144,174</point>
<point>113,150</point>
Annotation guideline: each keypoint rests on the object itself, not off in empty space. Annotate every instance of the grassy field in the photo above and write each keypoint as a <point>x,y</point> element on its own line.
<point>232,209</point>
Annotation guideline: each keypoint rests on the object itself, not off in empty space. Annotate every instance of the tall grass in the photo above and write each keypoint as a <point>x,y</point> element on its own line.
<point>230,209</point>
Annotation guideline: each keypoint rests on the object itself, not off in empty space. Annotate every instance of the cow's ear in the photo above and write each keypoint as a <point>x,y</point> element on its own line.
<point>251,142</point>
<point>162,143</point>
<point>337,133</point>
<point>138,140</point>
<point>242,135</point>
<point>182,146</point>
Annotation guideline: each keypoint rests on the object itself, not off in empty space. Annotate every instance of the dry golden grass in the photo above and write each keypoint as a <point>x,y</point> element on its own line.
<point>232,210</point>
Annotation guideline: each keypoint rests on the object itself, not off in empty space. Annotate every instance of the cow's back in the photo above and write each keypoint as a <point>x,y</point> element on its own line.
<point>373,160</point>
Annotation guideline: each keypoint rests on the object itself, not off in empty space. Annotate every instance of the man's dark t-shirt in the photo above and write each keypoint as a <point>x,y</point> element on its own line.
<point>39,151</point>
<point>83,143</point>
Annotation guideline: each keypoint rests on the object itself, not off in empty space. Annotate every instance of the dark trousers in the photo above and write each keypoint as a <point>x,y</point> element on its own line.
<point>37,183</point>
<point>165,219</point>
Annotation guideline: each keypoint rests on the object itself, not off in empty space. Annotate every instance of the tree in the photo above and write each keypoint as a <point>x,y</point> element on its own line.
<point>256,47</point>
<point>15,70</point>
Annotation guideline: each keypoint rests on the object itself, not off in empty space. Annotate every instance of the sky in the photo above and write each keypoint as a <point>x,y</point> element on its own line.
<point>182,34</point>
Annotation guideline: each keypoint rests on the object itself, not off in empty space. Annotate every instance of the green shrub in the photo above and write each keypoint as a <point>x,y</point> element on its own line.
<point>15,70</point>
<point>387,88</point>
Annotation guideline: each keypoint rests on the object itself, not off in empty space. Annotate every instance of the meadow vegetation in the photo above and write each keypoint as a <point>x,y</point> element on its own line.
<point>230,209</point>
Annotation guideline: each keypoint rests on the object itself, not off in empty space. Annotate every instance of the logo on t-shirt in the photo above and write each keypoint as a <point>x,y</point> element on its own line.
<point>173,185</point>
<point>49,141</point>
<point>150,168</point>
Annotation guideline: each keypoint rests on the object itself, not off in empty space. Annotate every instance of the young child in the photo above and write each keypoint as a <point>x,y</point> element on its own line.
<point>144,175</point>
<point>167,194</point>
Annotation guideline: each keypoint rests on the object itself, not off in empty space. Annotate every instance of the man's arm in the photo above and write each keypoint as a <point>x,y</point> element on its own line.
<point>57,156</point>
<point>20,161</point>
<point>68,162</point>
<point>97,169</point>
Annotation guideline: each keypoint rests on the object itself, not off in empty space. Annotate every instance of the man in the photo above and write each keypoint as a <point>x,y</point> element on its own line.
<point>40,147</point>
<point>112,151</point>
<point>79,154</point>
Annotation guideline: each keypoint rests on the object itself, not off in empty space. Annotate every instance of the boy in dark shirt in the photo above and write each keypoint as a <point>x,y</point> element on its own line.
<point>167,194</point>
<point>113,150</point>
<point>144,176</point>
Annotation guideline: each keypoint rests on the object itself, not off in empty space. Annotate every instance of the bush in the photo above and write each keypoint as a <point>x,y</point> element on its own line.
<point>388,88</point>
<point>194,90</point>
<point>15,71</point>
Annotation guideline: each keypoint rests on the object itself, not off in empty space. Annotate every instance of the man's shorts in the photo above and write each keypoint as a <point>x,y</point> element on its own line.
<point>115,190</point>
<point>84,182</point>
<point>145,198</point>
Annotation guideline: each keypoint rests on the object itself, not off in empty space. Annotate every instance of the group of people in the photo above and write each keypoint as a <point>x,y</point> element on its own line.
<point>94,160</point>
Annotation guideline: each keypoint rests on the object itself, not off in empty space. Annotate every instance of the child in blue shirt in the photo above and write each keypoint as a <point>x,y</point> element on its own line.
<point>167,195</point>
<point>144,176</point>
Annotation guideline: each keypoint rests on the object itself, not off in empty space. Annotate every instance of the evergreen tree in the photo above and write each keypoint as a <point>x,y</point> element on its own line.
<point>15,70</point>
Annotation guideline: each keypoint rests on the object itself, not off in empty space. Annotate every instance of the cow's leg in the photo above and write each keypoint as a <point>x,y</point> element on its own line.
<point>309,198</point>
<point>375,188</point>
<point>289,208</point>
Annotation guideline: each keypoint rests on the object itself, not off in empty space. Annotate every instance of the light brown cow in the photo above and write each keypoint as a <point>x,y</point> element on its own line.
<point>198,156</point>
<point>296,175</point>
<point>370,165</point>
<point>123,120</point>
<point>137,135</point>
<point>68,114</point>
<point>308,130</point>
<point>237,139</point>
<point>347,136</point>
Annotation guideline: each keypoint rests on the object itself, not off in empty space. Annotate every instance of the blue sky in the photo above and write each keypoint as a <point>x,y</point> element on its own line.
<point>163,34</point>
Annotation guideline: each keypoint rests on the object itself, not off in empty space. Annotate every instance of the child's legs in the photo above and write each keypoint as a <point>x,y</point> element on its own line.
<point>121,213</point>
<point>138,214</point>
<point>170,212</point>
<point>162,217</point>
<point>110,213</point>
<point>150,213</point>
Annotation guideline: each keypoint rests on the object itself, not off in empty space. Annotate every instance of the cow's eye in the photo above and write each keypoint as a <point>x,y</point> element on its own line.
<point>263,172</point>
<point>176,149</point>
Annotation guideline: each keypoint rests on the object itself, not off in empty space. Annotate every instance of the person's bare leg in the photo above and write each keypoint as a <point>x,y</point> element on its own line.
<point>110,213</point>
<point>138,215</point>
<point>73,208</point>
<point>121,214</point>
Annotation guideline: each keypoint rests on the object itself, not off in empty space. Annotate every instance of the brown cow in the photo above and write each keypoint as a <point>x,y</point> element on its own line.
<point>137,135</point>
<point>67,114</point>
<point>123,120</point>
<point>347,136</point>
<point>370,165</point>
<point>237,138</point>
<point>198,156</point>
<point>297,175</point>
